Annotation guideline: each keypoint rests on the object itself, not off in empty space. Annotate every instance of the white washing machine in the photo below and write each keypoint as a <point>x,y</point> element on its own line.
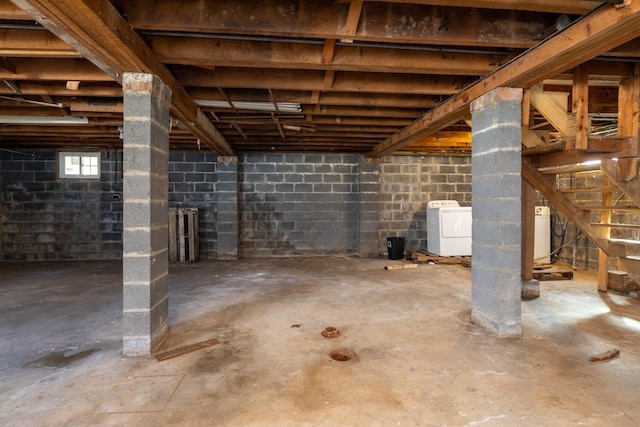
<point>448,228</point>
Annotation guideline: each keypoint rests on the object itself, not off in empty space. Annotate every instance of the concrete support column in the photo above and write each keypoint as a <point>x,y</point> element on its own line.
<point>496,189</point>
<point>227,206</point>
<point>369,206</point>
<point>145,187</point>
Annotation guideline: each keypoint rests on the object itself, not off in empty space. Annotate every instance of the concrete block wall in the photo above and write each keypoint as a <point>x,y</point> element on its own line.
<point>408,183</point>
<point>289,204</point>
<point>298,204</point>
<point>42,218</point>
<point>192,184</point>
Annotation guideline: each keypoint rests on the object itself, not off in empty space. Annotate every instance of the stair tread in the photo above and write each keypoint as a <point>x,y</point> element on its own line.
<point>615,225</point>
<point>606,208</point>
<point>625,241</point>
<point>590,189</point>
<point>570,169</point>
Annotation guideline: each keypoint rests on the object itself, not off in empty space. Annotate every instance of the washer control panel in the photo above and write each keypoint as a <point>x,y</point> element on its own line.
<point>442,204</point>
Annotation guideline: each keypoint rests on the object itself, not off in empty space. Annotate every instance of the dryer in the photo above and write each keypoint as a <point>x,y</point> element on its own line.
<point>448,228</point>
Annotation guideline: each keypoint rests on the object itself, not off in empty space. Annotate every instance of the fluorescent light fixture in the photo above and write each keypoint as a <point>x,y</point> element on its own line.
<point>44,120</point>
<point>591,163</point>
<point>283,107</point>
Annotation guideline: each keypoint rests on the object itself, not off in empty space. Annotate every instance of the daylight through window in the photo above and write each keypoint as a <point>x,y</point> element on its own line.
<point>79,165</point>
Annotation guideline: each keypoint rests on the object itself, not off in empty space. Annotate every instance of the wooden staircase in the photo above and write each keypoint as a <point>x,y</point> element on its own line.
<point>592,180</point>
<point>607,211</point>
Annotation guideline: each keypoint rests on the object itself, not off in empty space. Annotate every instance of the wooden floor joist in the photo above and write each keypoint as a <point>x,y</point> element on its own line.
<point>596,33</point>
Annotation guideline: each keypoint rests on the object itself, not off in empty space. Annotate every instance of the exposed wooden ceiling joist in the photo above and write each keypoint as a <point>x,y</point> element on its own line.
<point>573,7</point>
<point>96,30</point>
<point>311,19</point>
<point>256,54</point>
<point>596,33</point>
<point>314,80</point>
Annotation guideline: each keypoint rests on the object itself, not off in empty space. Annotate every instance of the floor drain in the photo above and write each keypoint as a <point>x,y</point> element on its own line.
<point>330,332</point>
<point>343,354</point>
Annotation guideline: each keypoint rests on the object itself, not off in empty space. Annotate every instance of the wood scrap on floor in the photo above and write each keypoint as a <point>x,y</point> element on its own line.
<point>184,350</point>
<point>607,355</point>
<point>400,266</point>
<point>420,256</point>
<point>551,273</point>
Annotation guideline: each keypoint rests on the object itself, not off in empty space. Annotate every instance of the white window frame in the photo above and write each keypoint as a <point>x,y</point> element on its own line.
<point>87,168</point>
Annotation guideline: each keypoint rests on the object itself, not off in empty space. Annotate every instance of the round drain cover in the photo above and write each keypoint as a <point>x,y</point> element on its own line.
<point>330,332</point>
<point>343,354</point>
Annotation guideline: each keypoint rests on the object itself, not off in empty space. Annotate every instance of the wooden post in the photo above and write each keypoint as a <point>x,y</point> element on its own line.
<point>603,258</point>
<point>580,107</point>
<point>528,230</point>
<point>173,256</point>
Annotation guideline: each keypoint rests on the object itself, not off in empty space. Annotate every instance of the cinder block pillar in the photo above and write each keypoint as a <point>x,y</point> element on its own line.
<point>145,213</point>
<point>369,206</point>
<point>496,189</point>
<point>227,207</point>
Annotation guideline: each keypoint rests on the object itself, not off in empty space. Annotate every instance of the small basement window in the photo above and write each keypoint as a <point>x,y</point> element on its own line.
<point>84,165</point>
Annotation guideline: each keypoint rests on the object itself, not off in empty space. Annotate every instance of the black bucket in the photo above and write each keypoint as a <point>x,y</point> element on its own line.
<point>395,247</point>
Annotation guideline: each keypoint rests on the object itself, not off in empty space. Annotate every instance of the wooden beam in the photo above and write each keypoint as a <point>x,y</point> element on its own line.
<point>98,31</point>
<point>629,116</point>
<point>310,80</point>
<point>573,7</point>
<point>56,89</point>
<point>312,19</point>
<point>34,43</point>
<point>313,56</point>
<point>562,158</point>
<point>596,33</point>
<point>52,69</point>
<point>554,108</point>
<point>10,11</point>
<point>580,108</point>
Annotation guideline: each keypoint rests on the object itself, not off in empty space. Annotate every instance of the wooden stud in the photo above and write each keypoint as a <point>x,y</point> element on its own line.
<point>173,255</point>
<point>528,198</point>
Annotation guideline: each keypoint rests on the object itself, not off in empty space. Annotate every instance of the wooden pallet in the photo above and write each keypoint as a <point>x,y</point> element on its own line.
<point>552,273</point>
<point>420,256</point>
<point>183,235</point>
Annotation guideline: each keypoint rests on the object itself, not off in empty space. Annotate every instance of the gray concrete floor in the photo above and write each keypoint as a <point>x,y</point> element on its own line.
<point>420,361</point>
